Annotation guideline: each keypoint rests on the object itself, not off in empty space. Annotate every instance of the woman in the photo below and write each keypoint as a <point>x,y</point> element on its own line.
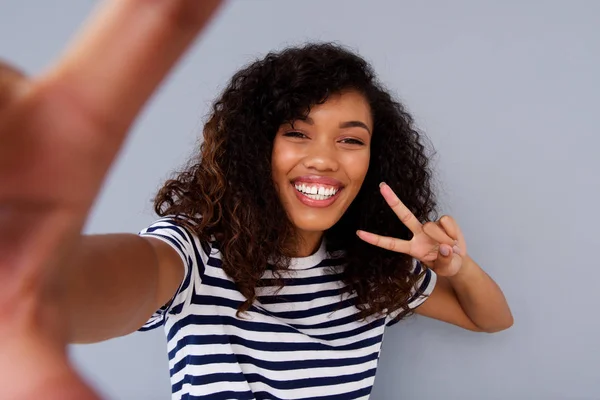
<point>281,256</point>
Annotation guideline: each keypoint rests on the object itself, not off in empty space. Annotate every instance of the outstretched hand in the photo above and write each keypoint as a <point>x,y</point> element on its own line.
<point>59,133</point>
<point>439,245</point>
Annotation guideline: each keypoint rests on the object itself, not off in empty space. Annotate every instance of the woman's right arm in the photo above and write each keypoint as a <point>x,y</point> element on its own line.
<point>59,134</point>
<point>114,283</point>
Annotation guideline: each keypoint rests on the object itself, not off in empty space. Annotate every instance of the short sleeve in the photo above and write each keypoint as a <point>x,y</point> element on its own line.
<point>184,243</point>
<point>420,292</point>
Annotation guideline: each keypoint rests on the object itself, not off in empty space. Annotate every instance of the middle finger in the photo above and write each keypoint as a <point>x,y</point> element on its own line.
<point>434,231</point>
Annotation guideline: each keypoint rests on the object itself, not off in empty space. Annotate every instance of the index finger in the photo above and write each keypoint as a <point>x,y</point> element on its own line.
<point>405,215</point>
<point>124,52</point>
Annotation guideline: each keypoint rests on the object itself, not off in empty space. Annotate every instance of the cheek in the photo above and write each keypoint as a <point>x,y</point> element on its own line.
<point>282,160</point>
<point>276,159</point>
<point>357,168</point>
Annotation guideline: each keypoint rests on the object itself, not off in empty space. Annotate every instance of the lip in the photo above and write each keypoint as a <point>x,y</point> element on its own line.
<point>307,201</point>
<point>323,180</point>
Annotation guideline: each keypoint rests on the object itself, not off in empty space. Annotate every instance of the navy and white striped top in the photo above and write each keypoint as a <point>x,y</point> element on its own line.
<point>304,342</point>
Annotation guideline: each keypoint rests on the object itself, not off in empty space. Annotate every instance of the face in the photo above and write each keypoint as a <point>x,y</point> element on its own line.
<point>319,164</point>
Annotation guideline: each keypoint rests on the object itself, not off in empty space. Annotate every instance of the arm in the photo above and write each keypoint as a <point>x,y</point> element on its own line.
<point>114,283</point>
<point>59,134</point>
<point>469,299</point>
<point>464,294</point>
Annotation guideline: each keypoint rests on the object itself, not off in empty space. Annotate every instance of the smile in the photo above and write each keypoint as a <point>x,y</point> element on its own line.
<point>316,192</point>
<point>316,195</point>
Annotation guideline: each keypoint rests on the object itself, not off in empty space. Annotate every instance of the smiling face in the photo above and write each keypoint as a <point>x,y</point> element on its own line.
<point>320,163</point>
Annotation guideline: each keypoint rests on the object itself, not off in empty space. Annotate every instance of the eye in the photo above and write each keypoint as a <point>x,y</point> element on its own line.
<point>352,141</point>
<point>295,134</point>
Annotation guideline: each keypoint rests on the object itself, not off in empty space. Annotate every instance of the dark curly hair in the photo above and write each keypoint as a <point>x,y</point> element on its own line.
<point>227,191</point>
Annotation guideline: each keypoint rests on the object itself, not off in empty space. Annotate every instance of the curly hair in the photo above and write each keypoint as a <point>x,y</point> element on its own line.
<point>227,190</point>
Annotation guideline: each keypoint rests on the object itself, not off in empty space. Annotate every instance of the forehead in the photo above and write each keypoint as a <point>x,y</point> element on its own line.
<point>345,106</point>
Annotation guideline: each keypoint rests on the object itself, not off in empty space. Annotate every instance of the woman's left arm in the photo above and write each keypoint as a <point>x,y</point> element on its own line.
<point>464,294</point>
<point>469,299</point>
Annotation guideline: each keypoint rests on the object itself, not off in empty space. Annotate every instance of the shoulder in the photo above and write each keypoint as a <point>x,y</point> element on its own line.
<point>180,233</point>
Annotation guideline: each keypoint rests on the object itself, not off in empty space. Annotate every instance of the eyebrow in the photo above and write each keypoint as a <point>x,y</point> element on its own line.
<point>346,124</point>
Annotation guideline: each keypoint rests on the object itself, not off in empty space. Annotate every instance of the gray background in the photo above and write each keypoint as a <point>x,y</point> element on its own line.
<point>507,92</point>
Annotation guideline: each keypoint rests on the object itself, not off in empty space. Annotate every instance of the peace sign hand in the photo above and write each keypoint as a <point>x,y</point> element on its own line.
<point>439,245</point>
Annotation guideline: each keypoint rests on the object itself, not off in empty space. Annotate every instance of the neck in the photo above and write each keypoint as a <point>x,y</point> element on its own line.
<point>308,243</point>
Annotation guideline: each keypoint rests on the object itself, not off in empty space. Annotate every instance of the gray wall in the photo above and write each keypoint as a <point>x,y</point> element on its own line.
<point>508,93</point>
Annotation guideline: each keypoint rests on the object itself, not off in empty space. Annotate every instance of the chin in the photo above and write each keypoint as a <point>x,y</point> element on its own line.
<point>313,225</point>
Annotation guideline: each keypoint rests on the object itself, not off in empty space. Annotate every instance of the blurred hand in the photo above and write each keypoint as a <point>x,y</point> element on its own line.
<point>59,133</point>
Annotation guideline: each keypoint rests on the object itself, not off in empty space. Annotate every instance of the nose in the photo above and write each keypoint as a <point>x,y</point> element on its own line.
<point>321,157</point>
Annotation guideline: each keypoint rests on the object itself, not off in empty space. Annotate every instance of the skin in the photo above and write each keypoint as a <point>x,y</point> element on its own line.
<point>325,145</point>
<point>464,295</point>
<point>59,134</point>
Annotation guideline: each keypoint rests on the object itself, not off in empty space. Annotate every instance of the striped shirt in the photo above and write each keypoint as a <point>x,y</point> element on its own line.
<point>303,342</point>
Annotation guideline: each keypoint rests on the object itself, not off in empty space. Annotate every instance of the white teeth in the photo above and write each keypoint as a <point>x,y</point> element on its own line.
<point>316,192</point>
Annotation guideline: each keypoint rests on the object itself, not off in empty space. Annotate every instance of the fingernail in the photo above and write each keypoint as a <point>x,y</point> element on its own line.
<point>381,184</point>
<point>444,250</point>
<point>456,249</point>
<point>364,235</point>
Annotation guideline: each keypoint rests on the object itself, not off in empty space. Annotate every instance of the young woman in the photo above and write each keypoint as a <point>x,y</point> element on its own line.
<point>303,229</point>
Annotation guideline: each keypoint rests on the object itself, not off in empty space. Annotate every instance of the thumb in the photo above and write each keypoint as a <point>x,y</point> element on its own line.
<point>12,83</point>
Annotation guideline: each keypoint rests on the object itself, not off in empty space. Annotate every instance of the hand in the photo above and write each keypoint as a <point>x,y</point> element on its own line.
<point>59,134</point>
<point>439,245</point>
